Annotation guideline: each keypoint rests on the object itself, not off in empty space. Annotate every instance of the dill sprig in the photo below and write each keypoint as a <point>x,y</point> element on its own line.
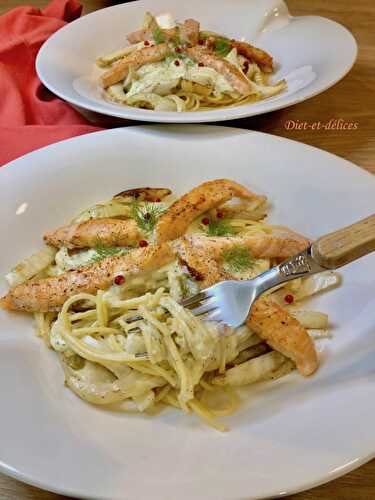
<point>158,36</point>
<point>102,252</point>
<point>146,216</point>
<point>222,47</point>
<point>238,258</point>
<point>176,40</point>
<point>219,227</point>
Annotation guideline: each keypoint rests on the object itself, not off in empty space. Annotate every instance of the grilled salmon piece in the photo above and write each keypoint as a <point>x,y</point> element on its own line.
<point>189,31</point>
<point>49,294</point>
<point>177,218</point>
<point>283,333</point>
<point>203,254</point>
<point>91,233</point>
<point>148,34</point>
<point>259,56</point>
<point>231,73</point>
<point>137,58</point>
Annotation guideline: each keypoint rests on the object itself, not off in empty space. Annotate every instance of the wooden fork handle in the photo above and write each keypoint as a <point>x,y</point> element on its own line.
<point>345,245</point>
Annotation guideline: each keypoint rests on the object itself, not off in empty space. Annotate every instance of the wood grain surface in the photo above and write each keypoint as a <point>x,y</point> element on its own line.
<point>353,100</point>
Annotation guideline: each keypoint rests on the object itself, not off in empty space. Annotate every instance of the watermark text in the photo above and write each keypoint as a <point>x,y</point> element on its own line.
<point>333,124</point>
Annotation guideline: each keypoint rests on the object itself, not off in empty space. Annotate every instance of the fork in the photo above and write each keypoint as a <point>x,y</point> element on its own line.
<point>230,301</point>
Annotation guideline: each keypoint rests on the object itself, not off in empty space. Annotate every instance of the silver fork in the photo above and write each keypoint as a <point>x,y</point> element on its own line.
<point>230,301</point>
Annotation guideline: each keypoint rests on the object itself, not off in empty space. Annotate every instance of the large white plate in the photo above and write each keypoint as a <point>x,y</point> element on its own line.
<point>312,53</point>
<point>288,435</point>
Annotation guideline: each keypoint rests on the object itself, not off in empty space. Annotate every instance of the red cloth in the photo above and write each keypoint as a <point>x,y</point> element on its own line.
<point>28,119</point>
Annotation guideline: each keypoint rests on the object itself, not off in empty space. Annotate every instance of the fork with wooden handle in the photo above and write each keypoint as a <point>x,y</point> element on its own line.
<point>230,301</point>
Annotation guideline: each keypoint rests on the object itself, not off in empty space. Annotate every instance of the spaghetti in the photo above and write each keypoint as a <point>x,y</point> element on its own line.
<point>173,352</point>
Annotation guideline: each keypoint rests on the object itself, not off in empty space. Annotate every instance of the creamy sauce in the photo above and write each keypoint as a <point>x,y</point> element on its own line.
<point>57,341</point>
<point>66,261</point>
<point>162,77</point>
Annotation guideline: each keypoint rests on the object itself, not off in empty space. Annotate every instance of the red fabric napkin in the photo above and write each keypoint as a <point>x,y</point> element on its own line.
<point>29,117</point>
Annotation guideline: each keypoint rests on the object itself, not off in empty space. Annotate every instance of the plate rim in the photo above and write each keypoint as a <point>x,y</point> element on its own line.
<point>25,478</point>
<point>160,126</point>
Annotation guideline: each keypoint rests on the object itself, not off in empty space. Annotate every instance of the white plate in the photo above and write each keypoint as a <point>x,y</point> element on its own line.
<point>288,435</point>
<point>312,53</point>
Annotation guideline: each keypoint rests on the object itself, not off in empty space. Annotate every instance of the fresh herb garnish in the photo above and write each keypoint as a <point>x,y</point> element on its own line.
<point>146,216</point>
<point>219,227</point>
<point>238,258</point>
<point>158,36</point>
<point>103,252</point>
<point>222,47</point>
<point>176,40</point>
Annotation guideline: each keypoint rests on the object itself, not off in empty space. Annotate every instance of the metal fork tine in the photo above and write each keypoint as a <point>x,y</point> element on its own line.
<point>205,307</point>
<point>195,299</point>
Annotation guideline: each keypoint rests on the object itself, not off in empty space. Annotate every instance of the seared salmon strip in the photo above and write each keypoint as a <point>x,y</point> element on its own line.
<point>49,294</point>
<point>189,31</point>
<point>283,333</point>
<point>259,56</point>
<point>280,244</point>
<point>137,58</point>
<point>203,254</point>
<point>177,218</point>
<point>148,34</point>
<point>231,73</point>
<point>91,233</point>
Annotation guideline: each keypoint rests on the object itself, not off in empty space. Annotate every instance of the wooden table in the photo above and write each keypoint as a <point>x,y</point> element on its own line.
<point>353,100</point>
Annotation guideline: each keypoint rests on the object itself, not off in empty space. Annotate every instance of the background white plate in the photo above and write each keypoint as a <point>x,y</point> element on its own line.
<point>311,52</point>
<point>289,435</point>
